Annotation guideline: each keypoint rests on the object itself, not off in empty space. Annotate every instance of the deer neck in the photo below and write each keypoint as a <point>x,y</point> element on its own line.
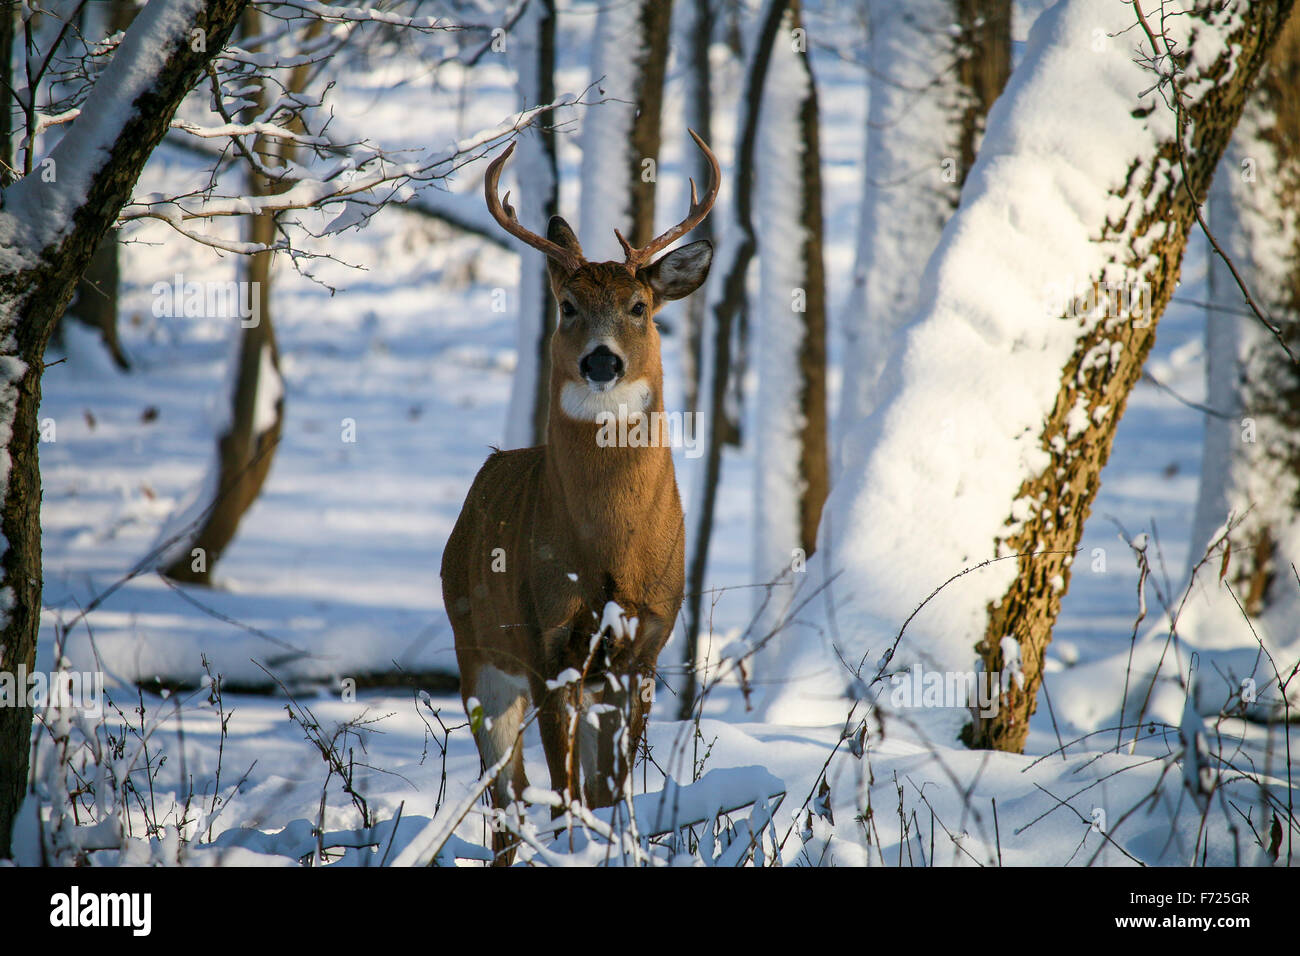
<point>603,472</point>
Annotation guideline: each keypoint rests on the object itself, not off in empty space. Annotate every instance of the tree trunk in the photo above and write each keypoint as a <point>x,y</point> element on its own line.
<point>620,138</point>
<point>931,89</point>
<point>1065,489</point>
<point>1250,468</point>
<point>983,57</point>
<point>646,132</point>
<point>791,479</point>
<point>153,72</point>
<point>95,304</point>
<point>538,178</point>
<point>962,498</point>
<point>247,447</point>
<point>727,299</point>
<point>699,117</point>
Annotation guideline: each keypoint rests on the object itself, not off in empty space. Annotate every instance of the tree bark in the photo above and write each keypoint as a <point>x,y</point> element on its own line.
<point>656,23</point>
<point>727,297</point>
<point>8,11</point>
<point>1065,490</point>
<point>983,65</point>
<point>34,295</point>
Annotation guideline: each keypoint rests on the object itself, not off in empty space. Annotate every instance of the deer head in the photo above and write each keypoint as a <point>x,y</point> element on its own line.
<point>605,350</point>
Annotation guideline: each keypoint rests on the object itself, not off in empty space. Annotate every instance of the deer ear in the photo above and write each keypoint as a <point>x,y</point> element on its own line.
<point>680,272</point>
<point>559,232</point>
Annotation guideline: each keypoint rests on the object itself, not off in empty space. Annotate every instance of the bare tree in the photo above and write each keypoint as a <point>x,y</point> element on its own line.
<point>246,447</point>
<point>1027,609</point>
<point>792,467</point>
<point>1250,471</point>
<point>727,300</point>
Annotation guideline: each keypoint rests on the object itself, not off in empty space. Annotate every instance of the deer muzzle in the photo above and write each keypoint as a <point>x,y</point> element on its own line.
<point>601,367</point>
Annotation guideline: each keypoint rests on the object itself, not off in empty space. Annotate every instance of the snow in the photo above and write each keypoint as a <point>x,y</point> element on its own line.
<point>339,556</point>
<point>615,622</point>
<point>270,389</point>
<point>908,510</point>
<point>911,129</point>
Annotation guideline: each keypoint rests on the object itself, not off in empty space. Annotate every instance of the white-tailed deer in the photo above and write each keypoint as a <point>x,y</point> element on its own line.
<point>550,537</point>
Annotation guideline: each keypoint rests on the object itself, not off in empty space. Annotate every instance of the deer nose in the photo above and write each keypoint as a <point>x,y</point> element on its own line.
<point>601,365</point>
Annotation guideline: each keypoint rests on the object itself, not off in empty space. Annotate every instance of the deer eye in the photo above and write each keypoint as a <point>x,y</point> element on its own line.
<point>638,308</point>
<point>567,309</point>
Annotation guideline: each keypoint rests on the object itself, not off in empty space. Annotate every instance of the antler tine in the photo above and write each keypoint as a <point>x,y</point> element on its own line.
<point>506,216</point>
<point>636,258</point>
<point>628,250</point>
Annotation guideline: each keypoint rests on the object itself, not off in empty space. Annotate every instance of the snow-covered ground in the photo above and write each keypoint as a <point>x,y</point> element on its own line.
<point>334,573</point>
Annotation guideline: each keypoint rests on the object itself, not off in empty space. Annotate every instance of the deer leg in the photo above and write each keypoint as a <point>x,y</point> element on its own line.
<point>608,738</point>
<point>504,701</point>
<point>614,712</point>
<point>554,719</point>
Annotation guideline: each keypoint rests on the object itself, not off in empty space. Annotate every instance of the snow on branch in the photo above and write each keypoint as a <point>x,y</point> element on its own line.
<point>332,14</point>
<point>43,214</point>
<point>361,175</point>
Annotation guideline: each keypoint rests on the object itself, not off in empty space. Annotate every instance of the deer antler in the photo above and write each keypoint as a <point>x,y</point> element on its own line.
<point>636,258</point>
<point>506,216</point>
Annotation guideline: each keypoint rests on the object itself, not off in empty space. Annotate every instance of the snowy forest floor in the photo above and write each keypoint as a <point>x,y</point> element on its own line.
<point>338,559</point>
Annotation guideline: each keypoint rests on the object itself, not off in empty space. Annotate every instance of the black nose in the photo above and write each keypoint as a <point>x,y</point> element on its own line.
<point>601,365</point>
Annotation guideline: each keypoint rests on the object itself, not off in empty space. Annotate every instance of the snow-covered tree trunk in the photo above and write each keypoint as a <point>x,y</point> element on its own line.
<point>791,470</point>
<point>533,49</point>
<point>1250,469</point>
<point>50,226</point>
<point>699,116</point>
<point>96,299</point>
<point>620,137</point>
<point>936,68</point>
<point>1003,393</point>
<point>726,296</point>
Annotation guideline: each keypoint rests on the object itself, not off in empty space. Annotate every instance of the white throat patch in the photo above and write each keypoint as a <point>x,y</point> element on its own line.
<point>581,403</point>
